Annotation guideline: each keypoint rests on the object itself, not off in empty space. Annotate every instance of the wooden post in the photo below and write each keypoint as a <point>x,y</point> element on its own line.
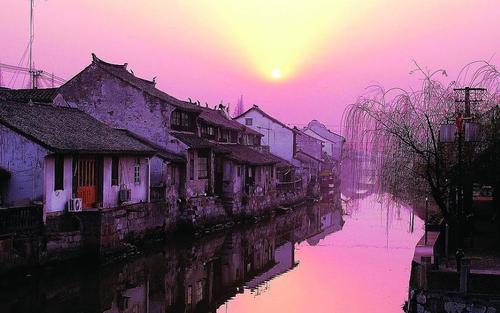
<point>464,275</point>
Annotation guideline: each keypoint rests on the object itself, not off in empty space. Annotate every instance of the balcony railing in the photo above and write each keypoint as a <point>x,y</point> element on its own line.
<point>289,186</point>
<point>22,219</point>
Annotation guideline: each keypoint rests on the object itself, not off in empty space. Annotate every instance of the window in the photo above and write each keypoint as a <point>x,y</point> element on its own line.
<point>189,295</point>
<point>202,166</point>
<point>58,172</point>
<point>199,291</point>
<point>234,137</point>
<point>249,121</point>
<point>114,171</point>
<point>176,118</point>
<point>207,131</point>
<point>185,119</point>
<point>191,165</point>
<point>181,120</point>
<point>173,175</point>
<point>137,171</point>
<point>256,140</point>
<point>224,135</point>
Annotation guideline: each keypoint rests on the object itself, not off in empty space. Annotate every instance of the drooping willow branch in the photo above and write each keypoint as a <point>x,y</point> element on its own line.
<point>397,130</point>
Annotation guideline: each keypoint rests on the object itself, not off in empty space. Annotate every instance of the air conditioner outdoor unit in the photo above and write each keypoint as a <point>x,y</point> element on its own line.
<point>75,205</point>
<point>124,195</point>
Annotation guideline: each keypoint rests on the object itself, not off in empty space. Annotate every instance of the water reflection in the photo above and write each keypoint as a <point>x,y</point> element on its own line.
<point>299,261</point>
<point>363,268</point>
<point>199,276</point>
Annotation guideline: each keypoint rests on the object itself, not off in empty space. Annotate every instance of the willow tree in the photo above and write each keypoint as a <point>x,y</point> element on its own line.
<point>399,128</point>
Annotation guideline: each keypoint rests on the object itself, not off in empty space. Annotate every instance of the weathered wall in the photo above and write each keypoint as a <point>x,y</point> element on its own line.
<point>120,105</point>
<point>198,186</point>
<point>108,230</point>
<point>56,200</point>
<point>277,137</point>
<point>332,148</point>
<point>138,191</point>
<point>25,161</point>
<point>308,144</point>
<point>232,182</point>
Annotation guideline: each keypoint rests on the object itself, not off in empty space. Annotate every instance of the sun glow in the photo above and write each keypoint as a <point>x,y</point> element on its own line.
<point>276,73</point>
<point>291,33</point>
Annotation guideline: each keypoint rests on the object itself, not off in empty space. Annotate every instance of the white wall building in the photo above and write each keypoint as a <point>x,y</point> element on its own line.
<point>278,136</point>
<point>332,142</point>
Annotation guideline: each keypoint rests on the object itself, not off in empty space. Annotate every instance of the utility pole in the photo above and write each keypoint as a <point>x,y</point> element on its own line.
<point>32,35</point>
<point>467,96</point>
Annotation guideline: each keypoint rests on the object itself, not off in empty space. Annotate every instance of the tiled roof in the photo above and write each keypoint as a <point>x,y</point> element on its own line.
<point>305,157</point>
<point>256,108</point>
<point>237,152</point>
<point>162,152</point>
<point>25,95</point>
<point>194,141</point>
<point>215,117</point>
<point>120,71</point>
<point>245,154</point>
<point>67,130</point>
<point>321,130</point>
<point>280,162</point>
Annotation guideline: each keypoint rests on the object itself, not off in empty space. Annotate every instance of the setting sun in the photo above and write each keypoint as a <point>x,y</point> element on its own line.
<point>276,73</point>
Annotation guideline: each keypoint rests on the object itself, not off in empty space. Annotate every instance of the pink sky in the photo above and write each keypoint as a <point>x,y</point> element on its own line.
<point>328,51</point>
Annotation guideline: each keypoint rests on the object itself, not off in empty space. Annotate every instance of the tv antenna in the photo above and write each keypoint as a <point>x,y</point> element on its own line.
<point>37,78</point>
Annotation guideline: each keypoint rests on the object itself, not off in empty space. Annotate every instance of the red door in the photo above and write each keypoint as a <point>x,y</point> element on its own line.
<point>86,181</point>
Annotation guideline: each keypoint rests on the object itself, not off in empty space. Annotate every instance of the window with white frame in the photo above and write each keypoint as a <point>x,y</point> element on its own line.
<point>137,171</point>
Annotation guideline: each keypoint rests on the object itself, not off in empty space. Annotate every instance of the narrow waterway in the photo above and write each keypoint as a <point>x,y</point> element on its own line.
<point>322,257</point>
<point>363,268</point>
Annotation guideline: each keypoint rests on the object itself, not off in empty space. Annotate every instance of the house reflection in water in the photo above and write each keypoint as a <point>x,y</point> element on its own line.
<point>199,276</point>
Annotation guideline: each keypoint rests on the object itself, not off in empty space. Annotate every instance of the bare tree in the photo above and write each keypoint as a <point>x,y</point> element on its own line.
<point>240,108</point>
<point>400,129</point>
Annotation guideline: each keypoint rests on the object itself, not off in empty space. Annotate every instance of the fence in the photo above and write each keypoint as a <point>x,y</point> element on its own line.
<point>21,219</point>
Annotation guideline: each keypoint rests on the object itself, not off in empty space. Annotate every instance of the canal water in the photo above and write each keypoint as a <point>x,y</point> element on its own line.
<point>329,256</point>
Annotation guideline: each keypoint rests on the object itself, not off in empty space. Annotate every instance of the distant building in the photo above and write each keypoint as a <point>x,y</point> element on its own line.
<point>275,134</point>
<point>298,148</point>
<point>332,142</point>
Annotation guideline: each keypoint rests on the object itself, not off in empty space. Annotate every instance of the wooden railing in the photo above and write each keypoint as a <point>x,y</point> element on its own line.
<point>22,219</point>
<point>289,186</point>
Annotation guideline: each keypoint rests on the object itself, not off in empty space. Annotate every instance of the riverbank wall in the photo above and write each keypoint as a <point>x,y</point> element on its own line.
<point>101,234</point>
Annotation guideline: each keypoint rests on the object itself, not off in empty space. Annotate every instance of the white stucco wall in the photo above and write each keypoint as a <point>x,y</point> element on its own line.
<point>138,191</point>
<point>278,138</point>
<point>232,182</point>
<point>56,200</point>
<point>332,148</point>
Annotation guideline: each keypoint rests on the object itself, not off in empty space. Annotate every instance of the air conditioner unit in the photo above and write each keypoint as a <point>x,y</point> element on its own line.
<point>124,195</point>
<point>75,205</point>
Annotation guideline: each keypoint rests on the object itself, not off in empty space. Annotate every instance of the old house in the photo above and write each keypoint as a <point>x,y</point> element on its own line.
<point>219,162</point>
<point>55,154</point>
<point>223,160</point>
<point>112,94</point>
<point>276,135</point>
<point>332,142</point>
<point>308,150</point>
<point>294,146</point>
